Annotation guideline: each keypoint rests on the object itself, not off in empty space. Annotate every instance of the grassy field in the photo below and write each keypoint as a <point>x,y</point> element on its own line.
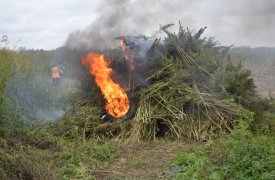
<point>41,155</point>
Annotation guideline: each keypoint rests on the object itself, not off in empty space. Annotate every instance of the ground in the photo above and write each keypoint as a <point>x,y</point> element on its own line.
<point>142,160</point>
<point>39,157</point>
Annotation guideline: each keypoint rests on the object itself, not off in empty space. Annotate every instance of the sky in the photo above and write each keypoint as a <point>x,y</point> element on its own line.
<point>44,24</point>
<point>47,24</point>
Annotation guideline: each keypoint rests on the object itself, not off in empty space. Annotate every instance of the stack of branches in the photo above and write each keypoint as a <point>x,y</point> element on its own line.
<point>171,107</point>
<point>177,103</point>
<point>87,121</point>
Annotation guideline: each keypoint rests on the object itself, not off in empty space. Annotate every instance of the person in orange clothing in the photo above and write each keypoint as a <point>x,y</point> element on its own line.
<point>55,75</point>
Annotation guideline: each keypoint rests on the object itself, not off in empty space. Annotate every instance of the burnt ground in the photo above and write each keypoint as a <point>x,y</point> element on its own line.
<point>142,160</point>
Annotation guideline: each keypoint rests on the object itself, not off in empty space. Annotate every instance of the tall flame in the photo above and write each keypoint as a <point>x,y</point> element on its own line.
<point>117,100</point>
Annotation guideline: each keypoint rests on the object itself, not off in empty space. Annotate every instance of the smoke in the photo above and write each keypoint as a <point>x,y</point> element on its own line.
<point>31,93</point>
<point>129,17</point>
<point>246,22</point>
<point>250,22</point>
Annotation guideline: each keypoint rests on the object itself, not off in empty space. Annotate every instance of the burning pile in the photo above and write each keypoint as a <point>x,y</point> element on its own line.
<point>182,95</point>
<point>117,101</point>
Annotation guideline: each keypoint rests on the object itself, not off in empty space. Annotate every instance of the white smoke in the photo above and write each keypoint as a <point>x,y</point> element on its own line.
<point>246,22</point>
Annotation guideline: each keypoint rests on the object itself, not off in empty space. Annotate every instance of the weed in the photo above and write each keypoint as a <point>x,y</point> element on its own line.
<point>242,156</point>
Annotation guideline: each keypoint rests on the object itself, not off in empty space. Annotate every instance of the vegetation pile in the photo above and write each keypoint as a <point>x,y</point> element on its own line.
<point>194,91</point>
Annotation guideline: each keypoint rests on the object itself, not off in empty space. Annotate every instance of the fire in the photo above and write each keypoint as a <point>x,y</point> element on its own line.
<point>117,100</point>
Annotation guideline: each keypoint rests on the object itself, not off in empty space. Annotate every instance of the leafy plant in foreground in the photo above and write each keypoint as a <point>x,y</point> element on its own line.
<point>242,156</point>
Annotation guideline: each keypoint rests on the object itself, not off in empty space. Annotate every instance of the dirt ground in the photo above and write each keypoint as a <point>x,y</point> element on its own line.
<point>142,160</point>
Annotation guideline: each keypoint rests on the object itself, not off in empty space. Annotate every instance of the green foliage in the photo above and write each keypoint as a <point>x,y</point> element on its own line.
<point>242,87</point>
<point>3,132</point>
<point>192,165</point>
<point>243,90</point>
<point>100,150</point>
<point>41,154</point>
<point>11,164</point>
<point>27,96</point>
<point>6,58</point>
<point>250,158</point>
<point>186,91</point>
<point>33,98</point>
<point>11,62</point>
<point>242,156</point>
<point>218,70</point>
<point>82,155</point>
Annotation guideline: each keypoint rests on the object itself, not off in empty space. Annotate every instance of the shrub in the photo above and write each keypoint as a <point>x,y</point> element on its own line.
<point>189,165</point>
<point>250,157</point>
<point>242,156</point>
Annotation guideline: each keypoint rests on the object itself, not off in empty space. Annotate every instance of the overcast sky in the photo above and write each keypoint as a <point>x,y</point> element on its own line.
<point>44,23</point>
<point>47,23</point>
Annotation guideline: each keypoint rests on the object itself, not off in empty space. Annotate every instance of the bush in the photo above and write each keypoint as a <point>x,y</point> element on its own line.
<point>12,64</point>
<point>250,157</point>
<point>3,132</point>
<point>242,156</point>
<point>189,165</point>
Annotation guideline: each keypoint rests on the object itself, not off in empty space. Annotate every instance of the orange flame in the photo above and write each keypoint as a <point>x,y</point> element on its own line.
<point>117,100</point>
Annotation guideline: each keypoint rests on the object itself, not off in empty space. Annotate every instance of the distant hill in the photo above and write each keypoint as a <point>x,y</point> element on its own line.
<point>264,78</point>
<point>261,61</point>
